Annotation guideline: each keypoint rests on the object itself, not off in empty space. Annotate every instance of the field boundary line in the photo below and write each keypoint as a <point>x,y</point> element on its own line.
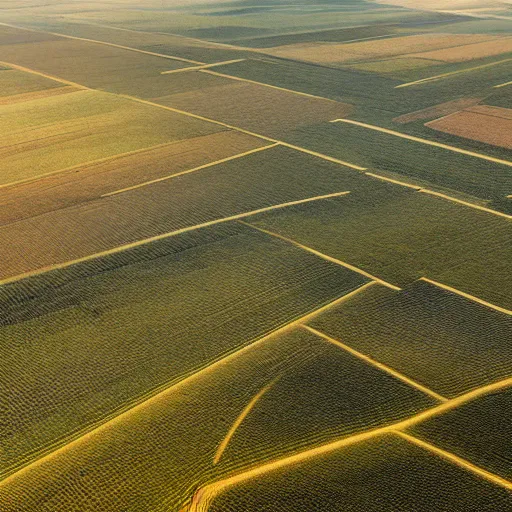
<point>396,182</point>
<point>150,396</point>
<point>424,141</point>
<point>105,43</point>
<point>467,296</point>
<point>194,169</point>
<point>502,85</point>
<point>46,75</point>
<point>240,79</point>
<point>203,66</point>
<point>197,116</point>
<point>323,256</point>
<point>459,461</point>
<point>239,420</point>
<point>91,163</point>
<point>465,203</point>
<point>377,364</point>
<point>418,188</point>
<point>163,236</point>
<point>208,492</point>
<point>444,75</point>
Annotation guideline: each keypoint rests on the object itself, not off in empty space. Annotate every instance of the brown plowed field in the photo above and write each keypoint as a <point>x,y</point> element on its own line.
<point>491,125</point>
<point>443,109</point>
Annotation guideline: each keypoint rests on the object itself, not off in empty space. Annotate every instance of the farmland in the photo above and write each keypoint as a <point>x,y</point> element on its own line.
<point>447,342</point>
<point>396,473</point>
<point>494,125</point>
<point>255,256</point>
<point>84,311</point>
<point>461,247</point>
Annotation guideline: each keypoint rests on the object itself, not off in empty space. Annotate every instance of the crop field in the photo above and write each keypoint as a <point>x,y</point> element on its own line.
<point>83,314</point>
<point>85,126</point>
<point>492,125</point>
<point>283,362</point>
<point>408,46</point>
<point>446,342</point>
<point>255,107</point>
<point>397,476</point>
<point>255,256</point>
<point>411,159</point>
<point>457,246</point>
<point>19,86</point>
<point>269,179</point>
<point>478,431</point>
<point>91,181</point>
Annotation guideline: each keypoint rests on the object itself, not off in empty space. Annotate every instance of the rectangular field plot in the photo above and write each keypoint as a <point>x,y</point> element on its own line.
<point>19,86</point>
<point>491,125</point>
<point>373,149</point>
<point>479,431</point>
<point>265,179</point>
<point>385,474</point>
<point>85,342</point>
<point>90,64</point>
<point>255,107</point>
<point>49,134</point>
<point>403,235</point>
<point>166,44</point>
<point>441,340</point>
<point>408,46</point>
<point>87,182</point>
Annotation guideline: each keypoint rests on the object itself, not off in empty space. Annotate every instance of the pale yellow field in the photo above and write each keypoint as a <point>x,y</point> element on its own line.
<point>328,53</point>
<point>470,51</point>
<point>83,126</point>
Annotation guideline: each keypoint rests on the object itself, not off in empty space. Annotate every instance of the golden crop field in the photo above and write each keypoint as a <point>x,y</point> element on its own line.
<point>255,256</point>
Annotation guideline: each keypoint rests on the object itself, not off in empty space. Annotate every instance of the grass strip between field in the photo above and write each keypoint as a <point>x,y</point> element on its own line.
<point>188,171</point>
<point>163,236</point>
<point>82,436</point>
<point>467,296</point>
<point>204,66</point>
<point>502,85</point>
<point>324,256</point>
<point>376,363</point>
<point>239,420</point>
<point>425,141</point>
<point>451,73</point>
<point>205,495</point>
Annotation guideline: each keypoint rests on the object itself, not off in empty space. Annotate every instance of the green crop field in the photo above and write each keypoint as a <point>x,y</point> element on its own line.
<point>77,325</point>
<point>479,431</point>
<point>255,256</point>
<point>397,476</point>
<point>442,340</point>
<point>430,237</point>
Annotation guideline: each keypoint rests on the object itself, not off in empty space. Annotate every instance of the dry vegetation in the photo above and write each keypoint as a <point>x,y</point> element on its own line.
<point>268,178</point>
<point>491,125</point>
<point>255,107</point>
<point>50,134</point>
<point>408,46</point>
